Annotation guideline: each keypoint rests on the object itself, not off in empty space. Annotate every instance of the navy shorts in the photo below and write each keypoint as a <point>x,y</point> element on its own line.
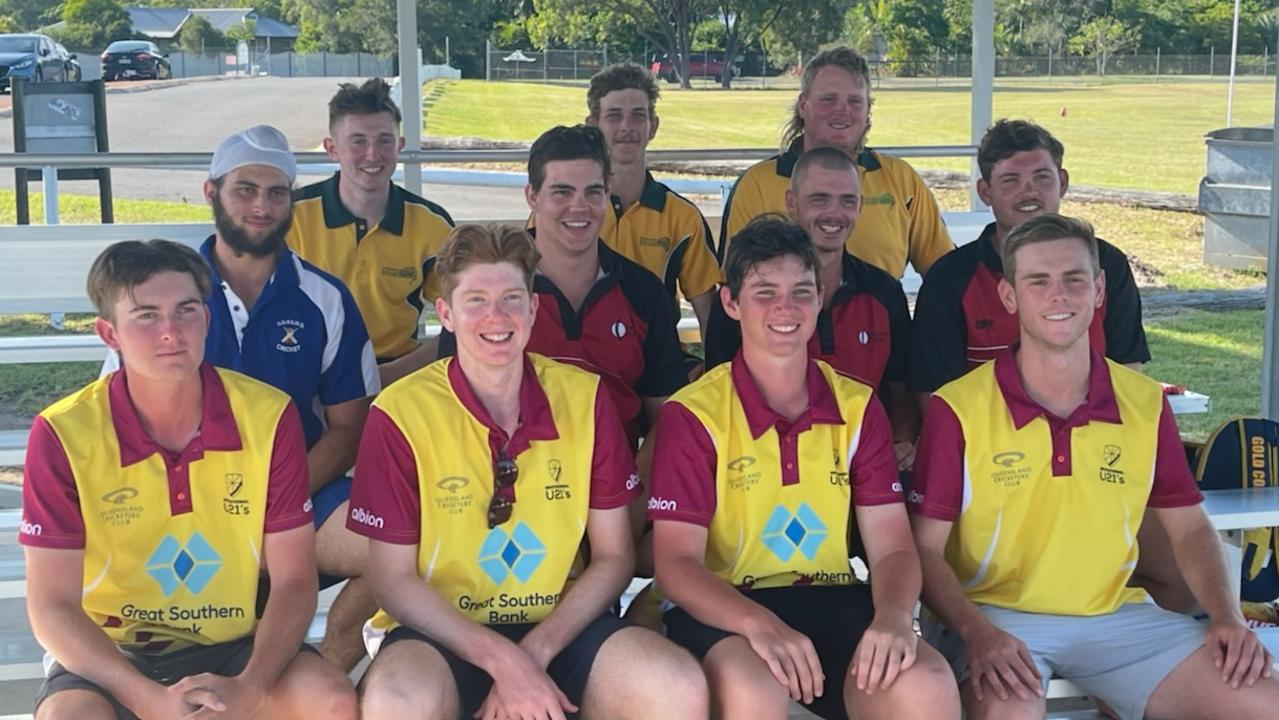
<point>832,616</point>
<point>328,498</point>
<point>228,659</point>
<point>570,669</point>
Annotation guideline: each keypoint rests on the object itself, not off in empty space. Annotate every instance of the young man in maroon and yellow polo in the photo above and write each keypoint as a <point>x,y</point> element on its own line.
<point>1035,472</point>
<point>760,467</point>
<point>153,499</point>
<point>478,479</point>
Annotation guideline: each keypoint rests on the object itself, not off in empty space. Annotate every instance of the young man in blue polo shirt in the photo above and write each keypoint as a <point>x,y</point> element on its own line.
<point>278,319</point>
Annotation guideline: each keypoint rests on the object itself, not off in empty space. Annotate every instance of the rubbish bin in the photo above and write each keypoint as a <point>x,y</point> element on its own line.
<point>1234,196</point>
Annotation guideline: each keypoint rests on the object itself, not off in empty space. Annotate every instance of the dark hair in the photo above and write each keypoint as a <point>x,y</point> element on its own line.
<point>474,244</point>
<point>766,237</point>
<point>579,142</point>
<point>125,265</point>
<point>1008,137</point>
<point>840,57</point>
<point>827,158</point>
<point>1043,228</point>
<point>370,98</point>
<point>622,76</point>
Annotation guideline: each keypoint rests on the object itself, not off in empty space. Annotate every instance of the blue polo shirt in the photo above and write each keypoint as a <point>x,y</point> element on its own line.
<point>304,335</point>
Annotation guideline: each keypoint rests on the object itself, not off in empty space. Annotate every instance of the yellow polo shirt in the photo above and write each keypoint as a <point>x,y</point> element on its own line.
<point>387,266</point>
<point>899,220</point>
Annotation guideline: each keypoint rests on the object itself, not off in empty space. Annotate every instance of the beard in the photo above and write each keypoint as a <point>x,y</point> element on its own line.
<point>237,238</point>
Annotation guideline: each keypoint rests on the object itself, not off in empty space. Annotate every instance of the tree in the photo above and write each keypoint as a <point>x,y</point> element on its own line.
<point>667,24</point>
<point>94,23</point>
<point>246,32</point>
<point>28,15</point>
<point>1101,38</point>
<point>197,33</point>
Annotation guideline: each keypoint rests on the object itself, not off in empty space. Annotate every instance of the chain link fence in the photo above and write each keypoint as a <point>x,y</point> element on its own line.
<point>279,64</point>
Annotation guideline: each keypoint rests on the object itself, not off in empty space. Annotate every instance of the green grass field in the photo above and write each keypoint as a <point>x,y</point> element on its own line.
<point>1131,135</point>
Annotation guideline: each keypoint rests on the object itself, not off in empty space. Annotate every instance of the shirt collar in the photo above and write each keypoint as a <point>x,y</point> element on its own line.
<point>536,420</point>
<point>218,429</point>
<point>336,214</point>
<point>822,405</point>
<point>1100,404</point>
<point>786,161</point>
<point>654,194</point>
<point>989,255</point>
<point>285,274</point>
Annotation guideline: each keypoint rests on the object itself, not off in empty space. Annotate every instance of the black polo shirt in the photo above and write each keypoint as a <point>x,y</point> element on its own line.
<point>961,323</point>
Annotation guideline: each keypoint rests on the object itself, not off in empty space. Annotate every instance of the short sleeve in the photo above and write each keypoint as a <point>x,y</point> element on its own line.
<point>894,300</point>
<point>1173,485</point>
<point>745,201</point>
<point>385,498</point>
<point>1125,335</point>
<point>683,474</point>
<point>874,466</point>
<point>699,273</point>
<point>51,516</point>
<point>664,371</point>
<point>288,490</point>
<point>929,239</point>
<point>938,490</point>
<point>614,480</point>
<point>350,367</point>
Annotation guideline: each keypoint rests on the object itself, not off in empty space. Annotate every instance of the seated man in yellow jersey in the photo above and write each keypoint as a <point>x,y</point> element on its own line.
<point>478,479</point>
<point>647,221</point>
<point>863,328</point>
<point>374,235</point>
<point>760,466</point>
<point>152,499</point>
<point>1035,471</point>
<point>900,219</point>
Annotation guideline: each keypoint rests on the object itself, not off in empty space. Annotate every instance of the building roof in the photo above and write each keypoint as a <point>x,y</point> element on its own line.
<point>165,23</point>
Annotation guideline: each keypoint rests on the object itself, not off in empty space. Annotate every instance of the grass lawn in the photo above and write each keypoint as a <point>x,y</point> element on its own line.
<point>1132,135</point>
<point>1214,353</point>
<point>84,209</point>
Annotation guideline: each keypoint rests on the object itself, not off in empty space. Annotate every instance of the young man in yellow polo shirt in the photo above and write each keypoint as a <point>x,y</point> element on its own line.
<point>900,220</point>
<point>760,467</point>
<point>152,499</point>
<point>647,221</point>
<point>1035,472</point>
<point>478,479</point>
<point>374,235</point>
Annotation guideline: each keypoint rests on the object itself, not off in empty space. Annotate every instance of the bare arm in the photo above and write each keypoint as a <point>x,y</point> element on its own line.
<point>423,355</point>
<point>594,591</point>
<point>334,453</point>
<point>58,621</point>
<point>680,550</point>
<point>888,646</point>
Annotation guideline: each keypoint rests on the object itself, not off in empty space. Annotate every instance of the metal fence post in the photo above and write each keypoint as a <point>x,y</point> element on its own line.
<point>1157,58</point>
<point>546,52</point>
<point>324,63</point>
<point>488,61</point>
<point>1212,59</point>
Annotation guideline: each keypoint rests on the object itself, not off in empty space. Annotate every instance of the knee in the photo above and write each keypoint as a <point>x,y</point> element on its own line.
<point>385,696</point>
<point>742,684</point>
<point>684,688</point>
<point>334,700</point>
<point>75,705</point>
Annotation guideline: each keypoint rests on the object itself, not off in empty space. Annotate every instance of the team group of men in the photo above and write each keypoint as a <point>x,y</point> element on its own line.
<point>992,456</point>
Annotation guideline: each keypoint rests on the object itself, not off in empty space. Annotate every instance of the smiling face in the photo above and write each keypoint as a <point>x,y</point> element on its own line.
<point>366,148</point>
<point>490,312</point>
<point>1022,186</point>
<point>777,306</point>
<point>826,204</point>
<point>1055,293</point>
<point>836,110</point>
<point>158,327</point>
<point>569,209</point>
<point>628,124</point>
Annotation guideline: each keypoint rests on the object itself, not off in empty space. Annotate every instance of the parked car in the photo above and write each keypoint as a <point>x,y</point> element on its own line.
<point>30,57</point>
<point>700,64</point>
<point>70,64</point>
<point>134,59</point>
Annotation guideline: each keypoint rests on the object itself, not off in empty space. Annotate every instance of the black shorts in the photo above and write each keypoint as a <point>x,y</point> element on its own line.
<point>570,669</point>
<point>832,616</point>
<point>228,658</point>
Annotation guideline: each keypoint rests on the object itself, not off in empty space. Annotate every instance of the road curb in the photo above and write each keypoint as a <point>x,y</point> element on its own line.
<point>155,85</point>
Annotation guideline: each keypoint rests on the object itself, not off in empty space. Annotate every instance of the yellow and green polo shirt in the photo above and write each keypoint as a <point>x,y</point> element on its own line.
<point>387,266</point>
<point>776,496</point>
<point>172,541</point>
<point>899,219</point>
<point>1046,509</point>
<point>425,477</point>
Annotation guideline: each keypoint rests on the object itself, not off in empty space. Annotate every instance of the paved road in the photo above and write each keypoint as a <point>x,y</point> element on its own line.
<point>195,116</point>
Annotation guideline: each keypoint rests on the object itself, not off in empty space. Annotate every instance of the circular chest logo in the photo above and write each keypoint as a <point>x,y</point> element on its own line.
<point>619,330</point>
<point>863,337</point>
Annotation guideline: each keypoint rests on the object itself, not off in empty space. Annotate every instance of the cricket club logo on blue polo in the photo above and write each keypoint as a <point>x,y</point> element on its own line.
<point>518,553</point>
<point>786,532</point>
<point>173,565</point>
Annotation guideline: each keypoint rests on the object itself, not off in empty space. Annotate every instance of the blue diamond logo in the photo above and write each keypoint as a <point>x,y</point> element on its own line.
<point>518,554</point>
<point>786,532</point>
<point>174,566</point>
